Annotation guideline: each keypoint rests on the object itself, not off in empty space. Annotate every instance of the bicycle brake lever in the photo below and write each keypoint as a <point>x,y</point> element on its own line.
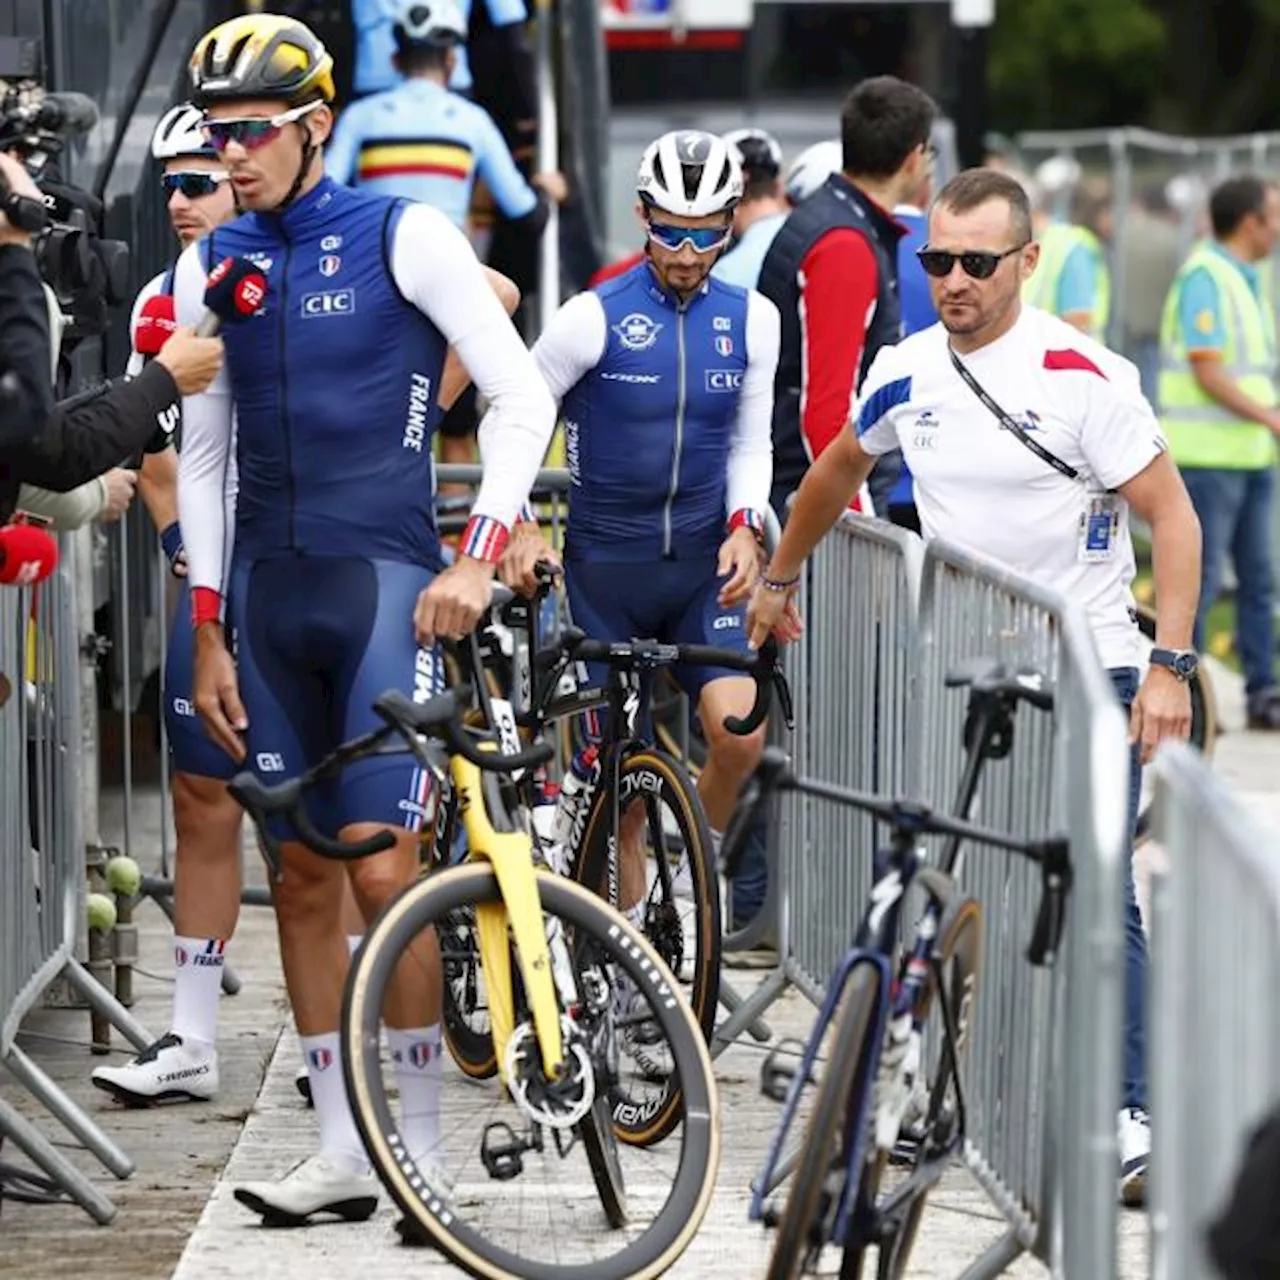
<point>1046,937</point>
<point>783,690</point>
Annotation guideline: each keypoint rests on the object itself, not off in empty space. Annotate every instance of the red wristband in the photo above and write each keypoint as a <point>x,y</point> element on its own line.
<point>484,538</point>
<point>746,518</point>
<point>206,606</point>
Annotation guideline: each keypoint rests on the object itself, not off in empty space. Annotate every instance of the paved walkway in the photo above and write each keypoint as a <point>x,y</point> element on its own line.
<point>177,1217</point>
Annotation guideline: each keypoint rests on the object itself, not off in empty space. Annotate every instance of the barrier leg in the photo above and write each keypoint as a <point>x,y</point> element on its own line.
<point>997,1260</point>
<point>101,1001</point>
<point>55,1165</point>
<point>748,1012</point>
<point>161,893</point>
<point>72,1118</point>
<point>733,1000</point>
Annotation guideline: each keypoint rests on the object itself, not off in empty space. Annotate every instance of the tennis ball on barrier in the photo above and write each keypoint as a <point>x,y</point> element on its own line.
<point>102,912</point>
<point>124,876</point>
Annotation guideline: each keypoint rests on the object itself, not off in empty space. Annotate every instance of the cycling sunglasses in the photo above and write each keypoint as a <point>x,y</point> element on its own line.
<point>250,132</point>
<point>703,239</point>
<point>192,185</point>
<point>978,264</point>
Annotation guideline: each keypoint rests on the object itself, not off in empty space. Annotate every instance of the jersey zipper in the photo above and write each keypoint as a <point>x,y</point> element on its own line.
<point>284,386</point>
<point>679,444</point>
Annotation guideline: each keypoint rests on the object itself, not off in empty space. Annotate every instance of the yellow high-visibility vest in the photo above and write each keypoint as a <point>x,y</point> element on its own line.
<point>1057,243</point>
<point>1201,432</point>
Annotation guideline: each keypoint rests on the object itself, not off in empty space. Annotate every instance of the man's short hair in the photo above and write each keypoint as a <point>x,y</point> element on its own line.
<point>1232,201</point>
<point>882,122</point>
<point>416,59</point>
<point>974,187</point>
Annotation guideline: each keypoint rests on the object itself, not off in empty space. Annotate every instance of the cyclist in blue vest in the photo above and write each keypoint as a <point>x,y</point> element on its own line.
<point>335,584</point>
<point>421,140</point>
<point>665,379</point>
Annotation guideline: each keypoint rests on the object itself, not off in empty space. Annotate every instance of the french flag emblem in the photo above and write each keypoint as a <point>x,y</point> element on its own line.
<point>321,1059</point>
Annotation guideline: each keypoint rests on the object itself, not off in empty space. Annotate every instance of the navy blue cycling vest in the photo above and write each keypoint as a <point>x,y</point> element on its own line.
<point>648,430</point>
<point>335,385</point>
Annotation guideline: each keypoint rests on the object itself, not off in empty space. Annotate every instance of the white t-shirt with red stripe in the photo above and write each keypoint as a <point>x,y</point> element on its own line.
<point>978,485</point>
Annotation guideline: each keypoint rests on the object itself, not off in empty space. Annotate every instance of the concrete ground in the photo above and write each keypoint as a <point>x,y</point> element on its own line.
<point>176,1214</point>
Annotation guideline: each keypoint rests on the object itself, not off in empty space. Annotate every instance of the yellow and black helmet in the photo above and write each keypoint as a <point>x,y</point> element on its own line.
<point>261,55</point>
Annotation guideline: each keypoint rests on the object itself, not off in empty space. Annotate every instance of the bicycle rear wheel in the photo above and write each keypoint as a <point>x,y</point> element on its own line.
<point>679,913</point>
<point>834,1129</point>
<point>525,1218</point>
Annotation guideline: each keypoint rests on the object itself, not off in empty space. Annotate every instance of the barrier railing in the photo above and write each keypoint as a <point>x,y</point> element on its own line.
<point>42,863</point>
<point>1215,1022</point>
<point>1044,1062</point>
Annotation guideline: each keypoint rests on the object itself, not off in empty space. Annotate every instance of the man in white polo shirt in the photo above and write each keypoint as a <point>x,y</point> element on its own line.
<point>1029,442</point>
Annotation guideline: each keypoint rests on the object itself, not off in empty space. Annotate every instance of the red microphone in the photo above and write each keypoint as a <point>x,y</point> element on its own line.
<point>27,555</point>
<point>156,324</point>
<point>236,291</point>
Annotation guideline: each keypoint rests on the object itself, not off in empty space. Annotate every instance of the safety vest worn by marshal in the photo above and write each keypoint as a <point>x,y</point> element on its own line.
<point>1057,243</point>
<point>1201,432</point>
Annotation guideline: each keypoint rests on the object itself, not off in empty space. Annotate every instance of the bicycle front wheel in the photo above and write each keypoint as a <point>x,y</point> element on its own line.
<point>500,1193</point>
<point>835,1129</point>
<point>675,903</point>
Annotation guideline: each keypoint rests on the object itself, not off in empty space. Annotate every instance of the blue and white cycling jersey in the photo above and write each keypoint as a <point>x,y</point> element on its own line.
<point>667,409</point>
<point>425,143</point>
<point>375,43</point>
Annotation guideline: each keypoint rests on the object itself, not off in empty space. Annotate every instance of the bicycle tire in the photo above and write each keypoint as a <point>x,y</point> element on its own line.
<point>1204,716</point>
<point>649,1253</point>
<point>850,1067</point>
<point>959,951</point>
<point>601,1145</point>
<point>653,772</point>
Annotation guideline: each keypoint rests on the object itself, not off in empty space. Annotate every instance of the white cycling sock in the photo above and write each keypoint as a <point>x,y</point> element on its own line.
<point>339,1140</point>
<point>417,1054</point>
<point>197,987</point>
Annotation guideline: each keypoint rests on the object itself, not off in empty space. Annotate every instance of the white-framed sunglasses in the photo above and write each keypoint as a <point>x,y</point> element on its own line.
<point>251,132</point>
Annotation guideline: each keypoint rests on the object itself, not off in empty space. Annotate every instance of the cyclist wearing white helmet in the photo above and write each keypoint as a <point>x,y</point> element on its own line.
<point>665,379</point>
<point>182,1065</point>
<point>811,168</point>
<point>761,211</point>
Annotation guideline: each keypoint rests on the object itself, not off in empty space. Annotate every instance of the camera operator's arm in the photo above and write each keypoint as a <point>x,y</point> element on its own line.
<point>26,395</point>
<point>86,436</point>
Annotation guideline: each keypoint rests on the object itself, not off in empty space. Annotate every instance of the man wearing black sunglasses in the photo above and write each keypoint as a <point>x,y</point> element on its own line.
<point>1028,441</point>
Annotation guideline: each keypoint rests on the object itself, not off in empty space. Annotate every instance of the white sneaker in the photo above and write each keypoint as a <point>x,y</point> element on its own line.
<point>639,1037</point>
<point>316,1185</point>
<point>171,1070</point>
<point>1135,1155</point>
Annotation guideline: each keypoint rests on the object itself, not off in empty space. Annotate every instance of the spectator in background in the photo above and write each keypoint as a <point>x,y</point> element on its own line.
<point>1072,279</point>
<point>762,211</point>
<point>918,313</point>
<point>832,272</point>
<point>1152,248</point>
<point>1221,414</point>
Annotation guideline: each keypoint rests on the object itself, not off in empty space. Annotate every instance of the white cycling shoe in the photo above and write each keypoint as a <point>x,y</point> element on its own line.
<point>171,1070</point>
<point>317,1185</point>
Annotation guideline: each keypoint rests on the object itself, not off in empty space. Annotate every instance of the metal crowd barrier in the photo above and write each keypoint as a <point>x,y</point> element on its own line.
<point>42,862</point>
<point>886,618</point>
<point>1215,1022</point>
<point>1044,1061</point>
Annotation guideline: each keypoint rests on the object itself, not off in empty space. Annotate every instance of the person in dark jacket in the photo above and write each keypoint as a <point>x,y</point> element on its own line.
<point>26,394</point>
<point>91,433</point>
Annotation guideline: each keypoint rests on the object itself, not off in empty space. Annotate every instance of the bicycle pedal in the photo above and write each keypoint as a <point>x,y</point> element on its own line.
<point>505,1159</point>
<point>771,1218</point>
<point>778,1071</point>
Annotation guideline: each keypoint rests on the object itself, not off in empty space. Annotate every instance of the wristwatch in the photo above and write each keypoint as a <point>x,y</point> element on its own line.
<point>1182,662</point>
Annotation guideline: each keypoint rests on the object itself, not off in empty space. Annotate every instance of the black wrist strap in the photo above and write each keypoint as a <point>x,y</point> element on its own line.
<point>1006,420</point>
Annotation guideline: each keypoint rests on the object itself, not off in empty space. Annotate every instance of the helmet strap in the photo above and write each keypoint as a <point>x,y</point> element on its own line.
<point>309,150</point>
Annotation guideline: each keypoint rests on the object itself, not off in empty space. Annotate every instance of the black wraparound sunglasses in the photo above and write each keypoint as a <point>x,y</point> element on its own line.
<point>980,264</point>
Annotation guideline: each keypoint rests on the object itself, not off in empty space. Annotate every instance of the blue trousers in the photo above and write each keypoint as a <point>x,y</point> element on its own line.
<point>1235,517</point>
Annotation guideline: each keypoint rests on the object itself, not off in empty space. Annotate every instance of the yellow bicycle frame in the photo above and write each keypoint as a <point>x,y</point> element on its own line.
<point>511,855</point>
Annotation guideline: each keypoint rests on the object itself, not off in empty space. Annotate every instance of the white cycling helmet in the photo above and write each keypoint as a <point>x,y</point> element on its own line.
<point>812,167</point>
<point>690,173</point>
<point>178,135</point>
<point>433,23</point>
<point>758,152</point>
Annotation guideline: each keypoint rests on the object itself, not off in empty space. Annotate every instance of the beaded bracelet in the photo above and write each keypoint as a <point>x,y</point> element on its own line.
<point>772,584</point>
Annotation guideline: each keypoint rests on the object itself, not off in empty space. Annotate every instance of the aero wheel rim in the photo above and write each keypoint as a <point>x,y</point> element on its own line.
<point>489,1226</point>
